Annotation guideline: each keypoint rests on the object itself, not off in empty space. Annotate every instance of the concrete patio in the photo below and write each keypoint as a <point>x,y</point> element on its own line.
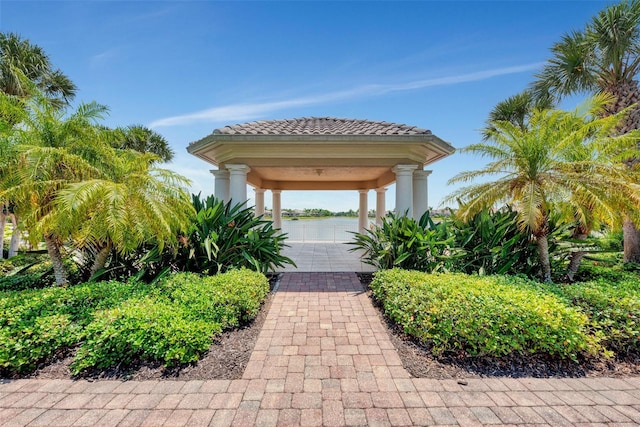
<point>323,257</point>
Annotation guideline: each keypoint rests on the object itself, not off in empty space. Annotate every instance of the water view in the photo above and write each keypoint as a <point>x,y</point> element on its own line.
<point>332,229</point>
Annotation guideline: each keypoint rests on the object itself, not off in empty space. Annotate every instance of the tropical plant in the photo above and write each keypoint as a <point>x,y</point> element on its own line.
<point>403,242</point>
<point>20,59</point>
<point>225,236</point>
<point>562,157</point>
<point>50,151</point>
<point>602,58</point>
<point>492,243</point>
<point>133,202</point>
<point>516,109</point>
<point>143,140</point>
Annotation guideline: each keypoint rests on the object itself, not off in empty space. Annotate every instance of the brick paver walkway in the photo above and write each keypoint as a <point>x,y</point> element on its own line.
<point>322,358</point>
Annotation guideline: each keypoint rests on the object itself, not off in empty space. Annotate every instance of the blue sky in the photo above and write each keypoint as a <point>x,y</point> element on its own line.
<point>186,68</point>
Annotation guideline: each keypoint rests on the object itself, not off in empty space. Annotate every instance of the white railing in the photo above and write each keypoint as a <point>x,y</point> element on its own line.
<point>298,231</point>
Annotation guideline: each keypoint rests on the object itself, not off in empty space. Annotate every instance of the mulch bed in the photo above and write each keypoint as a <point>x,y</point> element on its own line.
<point>418,360</point>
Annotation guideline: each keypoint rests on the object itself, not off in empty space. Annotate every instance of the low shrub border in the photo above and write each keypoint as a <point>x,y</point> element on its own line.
<point>173,321</point>
<point>483,315</point>
<point>613,308</point>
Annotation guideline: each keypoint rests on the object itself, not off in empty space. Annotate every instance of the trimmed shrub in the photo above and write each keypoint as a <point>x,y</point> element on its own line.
<point>145,329</point>
<point>613,308</point>
<point>482,316</point>
<point>34,324</point>
<point>175,323</point>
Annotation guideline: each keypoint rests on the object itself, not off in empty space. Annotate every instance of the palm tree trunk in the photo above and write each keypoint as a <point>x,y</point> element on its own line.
<point>53,249</point>
<point>543,255</point>
<point>15,237</point>
<point>576,258</point>
<point>100,260</point>
<point>627,94</point>
<point>574,264</point>
<point>3,222</point>
<point>631,242</point>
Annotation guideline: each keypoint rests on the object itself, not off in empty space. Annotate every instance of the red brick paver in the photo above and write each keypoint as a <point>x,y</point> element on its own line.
<point>322,358</point>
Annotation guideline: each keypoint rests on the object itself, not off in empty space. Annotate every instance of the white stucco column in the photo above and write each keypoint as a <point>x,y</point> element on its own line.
<point>381,209</point>
<point>420,193</point>
<point>404,189</point>
<point>259,209</point>
<point>238,182</point>
<point>276,212</point>
<point>363,220</point>
<point>221,185</point>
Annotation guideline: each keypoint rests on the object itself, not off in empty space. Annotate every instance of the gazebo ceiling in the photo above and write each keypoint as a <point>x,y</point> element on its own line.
<point>320,153</point>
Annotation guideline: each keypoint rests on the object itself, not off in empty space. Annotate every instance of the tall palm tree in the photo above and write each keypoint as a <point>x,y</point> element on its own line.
<point>555,159</point>
<point>50,151</point>
<point>19,58</point>
<point>603,58</point>
<point>134,202</point>
<point>143,140</point>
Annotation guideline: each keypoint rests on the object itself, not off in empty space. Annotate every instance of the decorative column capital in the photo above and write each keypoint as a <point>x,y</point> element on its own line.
<point>276,191</point>
<point>381,190</point>
<point>422,173</point>
<point>238,169</point>
<point>404,169</point>
<point>259,190</point>
<point>363,191</point>
<point>222,173</point>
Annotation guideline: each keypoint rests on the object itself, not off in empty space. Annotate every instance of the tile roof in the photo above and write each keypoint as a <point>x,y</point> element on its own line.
<point>320,126</point>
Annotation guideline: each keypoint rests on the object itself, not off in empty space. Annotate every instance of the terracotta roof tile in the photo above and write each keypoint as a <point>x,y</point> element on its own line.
<point>320,126</point>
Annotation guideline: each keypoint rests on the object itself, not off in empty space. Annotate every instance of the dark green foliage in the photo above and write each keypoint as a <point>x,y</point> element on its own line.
<point>482,316</point>
<point>226,236</point>
<point>488,243</point>
<point>613,306</point>
<point>31,270</point>
<point>172,321</point>
<point>404,243</point>
<point>175,323</point>
<point>147,264</point>
<point>34,324</point>
<point>492,243</point>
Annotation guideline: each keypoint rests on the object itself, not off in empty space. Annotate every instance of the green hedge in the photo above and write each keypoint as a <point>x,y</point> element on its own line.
<point>482,316</point>
<point>34,324</point>
<point>173,321</point>
<point>613,308</point>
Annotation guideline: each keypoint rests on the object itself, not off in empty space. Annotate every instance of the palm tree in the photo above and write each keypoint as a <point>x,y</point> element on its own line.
<point>516,109</point>
<point>50,151</point>
<point>19,58</point>
<point>143,140</point>
<point>555,159</point>
<point>134,202</point>
<point>604,58</point>
<point>25,67</point>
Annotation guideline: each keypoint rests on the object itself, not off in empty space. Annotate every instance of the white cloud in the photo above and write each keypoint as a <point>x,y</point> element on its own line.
<point>103,58</point>
<point>249,111</point>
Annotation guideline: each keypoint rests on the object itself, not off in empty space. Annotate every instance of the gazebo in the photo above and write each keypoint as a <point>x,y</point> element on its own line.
<point>323,153</point>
